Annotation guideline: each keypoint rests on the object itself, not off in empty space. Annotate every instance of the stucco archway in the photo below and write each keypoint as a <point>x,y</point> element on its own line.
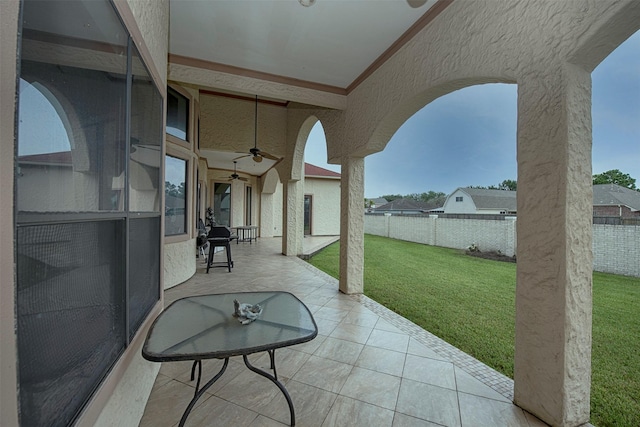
<point>300,123</point>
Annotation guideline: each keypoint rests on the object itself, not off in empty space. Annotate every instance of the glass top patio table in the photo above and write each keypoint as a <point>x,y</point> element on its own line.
<point>203,327</point>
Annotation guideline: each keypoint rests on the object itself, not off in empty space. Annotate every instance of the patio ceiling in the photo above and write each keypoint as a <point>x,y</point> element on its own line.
<point>330,46</point>
<point>332,42</point>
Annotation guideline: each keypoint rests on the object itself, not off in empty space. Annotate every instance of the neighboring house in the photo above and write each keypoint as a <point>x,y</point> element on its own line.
<point>481,201</point>
<point>50,167</point>
<point>611,200</point>
<point>371,204</point>
<point>377,202</point>
<point>321,201</point>
<point>402,206</point>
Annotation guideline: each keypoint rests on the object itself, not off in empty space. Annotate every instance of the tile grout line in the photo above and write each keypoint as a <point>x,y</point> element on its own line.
<point>483,373</point>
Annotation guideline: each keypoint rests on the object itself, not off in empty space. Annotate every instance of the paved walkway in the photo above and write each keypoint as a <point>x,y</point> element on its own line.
<point>367,367</point>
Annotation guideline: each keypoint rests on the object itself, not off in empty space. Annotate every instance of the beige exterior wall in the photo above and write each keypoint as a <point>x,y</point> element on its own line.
<point>325,210</point>
<point>8,44</point>
<point>179,262</point>
<point>271,213</point>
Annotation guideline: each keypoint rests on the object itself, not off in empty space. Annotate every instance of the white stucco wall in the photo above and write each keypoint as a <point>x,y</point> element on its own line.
<point>325,210</point>
<point>271,213</point>
<point>179,262</point>
<point>228,124</point>
<point>128,400</point>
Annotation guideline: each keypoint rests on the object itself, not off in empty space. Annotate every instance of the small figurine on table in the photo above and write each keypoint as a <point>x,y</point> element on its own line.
<point>246,313</point>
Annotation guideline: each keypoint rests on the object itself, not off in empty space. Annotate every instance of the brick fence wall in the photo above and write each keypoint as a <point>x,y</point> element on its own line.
<point>616,248</point>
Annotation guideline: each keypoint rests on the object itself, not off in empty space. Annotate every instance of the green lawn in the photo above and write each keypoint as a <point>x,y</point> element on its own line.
<point>470,303</point>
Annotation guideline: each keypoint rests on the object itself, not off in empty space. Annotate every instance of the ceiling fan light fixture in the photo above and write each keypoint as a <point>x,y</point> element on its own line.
<point>307,3</point>
<point>416,3</point>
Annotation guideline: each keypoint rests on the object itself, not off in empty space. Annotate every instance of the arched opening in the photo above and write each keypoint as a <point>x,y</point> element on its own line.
<point>44,150</point>
<point>465,138</point>
<point>462,144</point>
<point>42,121</point>
<point>321,203</point>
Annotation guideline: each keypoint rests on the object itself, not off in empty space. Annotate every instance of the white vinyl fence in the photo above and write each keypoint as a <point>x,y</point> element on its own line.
<point>616,248</point>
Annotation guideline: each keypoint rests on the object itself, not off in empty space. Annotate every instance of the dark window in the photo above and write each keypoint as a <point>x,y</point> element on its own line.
<point>248,198</point>
<point>175,199</point>
<point>222,203</point>
<point>144,269</point>
<point>458,198</point>
<point>177,114</point>
<point>89,137</point>
<point>308,203</point>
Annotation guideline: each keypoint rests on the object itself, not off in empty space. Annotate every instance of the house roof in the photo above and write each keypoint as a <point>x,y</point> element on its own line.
<point>59,158</point>
<point>318,172</point>
<point>492,199</point>
<point>379,201</point>
<point>612,194</point>
<point>402,205</point>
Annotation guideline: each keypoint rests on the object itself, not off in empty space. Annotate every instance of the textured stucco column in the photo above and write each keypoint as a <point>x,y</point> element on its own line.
<point>292,218</point>
<point>352,226</point>
<point>553,294</point>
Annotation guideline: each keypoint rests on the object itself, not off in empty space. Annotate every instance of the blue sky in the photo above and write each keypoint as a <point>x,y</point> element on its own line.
<point>468,137</point>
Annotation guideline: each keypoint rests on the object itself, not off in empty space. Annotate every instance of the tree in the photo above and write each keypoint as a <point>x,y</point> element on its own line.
<point>429,197</point>
<point>507,185</point>
<point>614,176</point>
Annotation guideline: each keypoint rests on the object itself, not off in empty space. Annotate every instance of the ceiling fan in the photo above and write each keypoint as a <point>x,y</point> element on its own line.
<point>235,175</point>
<point>255,152</point>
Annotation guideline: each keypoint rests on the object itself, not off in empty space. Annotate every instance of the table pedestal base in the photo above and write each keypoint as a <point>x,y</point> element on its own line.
<point>200,391</point>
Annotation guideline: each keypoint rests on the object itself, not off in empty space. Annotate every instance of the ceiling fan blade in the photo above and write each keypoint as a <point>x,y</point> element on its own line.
<point>243,179</point>
<point>269,156</point>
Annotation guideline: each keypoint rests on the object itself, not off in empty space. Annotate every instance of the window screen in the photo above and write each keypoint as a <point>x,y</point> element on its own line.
<point>88,203</point>
<point>70,309</point>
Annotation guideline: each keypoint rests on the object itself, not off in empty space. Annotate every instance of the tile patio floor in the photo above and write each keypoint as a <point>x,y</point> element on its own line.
<point>367,367</point>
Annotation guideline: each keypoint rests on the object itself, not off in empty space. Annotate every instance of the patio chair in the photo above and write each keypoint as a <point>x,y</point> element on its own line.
<point>201,241</point>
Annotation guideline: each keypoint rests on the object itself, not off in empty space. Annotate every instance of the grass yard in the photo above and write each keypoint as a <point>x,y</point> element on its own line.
<point>470,303</point>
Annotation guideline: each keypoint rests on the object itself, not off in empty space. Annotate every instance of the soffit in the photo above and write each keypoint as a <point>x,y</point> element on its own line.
<point>331,43</point>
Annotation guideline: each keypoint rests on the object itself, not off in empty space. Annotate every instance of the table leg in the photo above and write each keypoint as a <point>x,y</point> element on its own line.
<point>204,388</point>
<point>272,356</point>
<point>276,382</point>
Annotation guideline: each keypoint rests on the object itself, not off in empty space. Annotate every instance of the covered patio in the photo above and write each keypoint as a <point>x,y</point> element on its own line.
<point>144,88</point>
<point>368,366</point>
